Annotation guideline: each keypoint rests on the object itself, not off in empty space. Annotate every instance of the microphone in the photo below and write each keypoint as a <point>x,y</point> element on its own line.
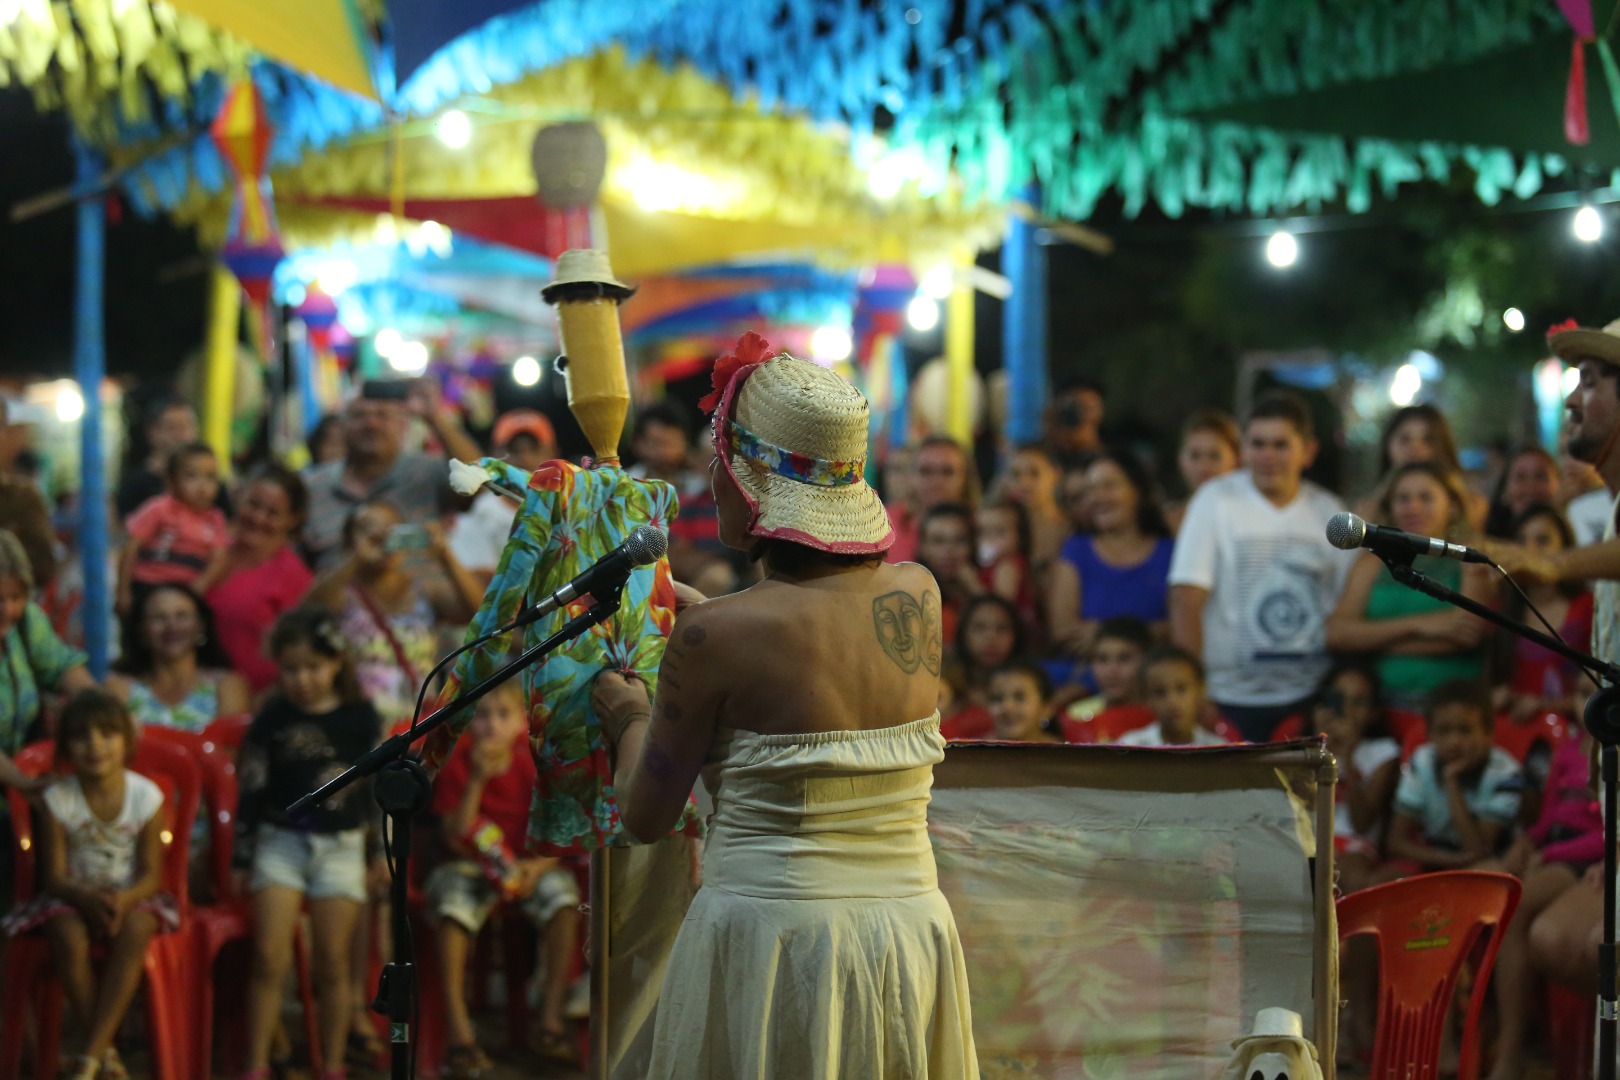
<point>1347,532</point>
<point>644,545</point>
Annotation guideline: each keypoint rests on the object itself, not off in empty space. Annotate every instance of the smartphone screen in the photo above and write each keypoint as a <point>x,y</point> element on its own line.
<point>406,538</point>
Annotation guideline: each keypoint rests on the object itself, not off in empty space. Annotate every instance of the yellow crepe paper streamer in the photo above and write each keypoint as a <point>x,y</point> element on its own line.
<point>219,393</point>
<point>959,355</point>
<point>102,65</point>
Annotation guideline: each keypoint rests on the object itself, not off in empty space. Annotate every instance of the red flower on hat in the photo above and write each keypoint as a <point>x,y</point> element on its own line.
<point>751,349</point>
<point>1567,324</point>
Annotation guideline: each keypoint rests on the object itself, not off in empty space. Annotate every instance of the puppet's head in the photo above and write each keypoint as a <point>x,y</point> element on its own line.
<point>587,297</point>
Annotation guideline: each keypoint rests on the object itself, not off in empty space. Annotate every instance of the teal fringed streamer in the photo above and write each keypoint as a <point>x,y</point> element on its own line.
<point>1611,75</point>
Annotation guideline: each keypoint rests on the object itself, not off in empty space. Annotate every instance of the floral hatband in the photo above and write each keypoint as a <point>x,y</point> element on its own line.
<point>790,463</point>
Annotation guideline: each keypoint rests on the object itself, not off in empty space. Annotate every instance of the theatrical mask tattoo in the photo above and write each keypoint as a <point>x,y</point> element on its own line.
<point>909,631</point>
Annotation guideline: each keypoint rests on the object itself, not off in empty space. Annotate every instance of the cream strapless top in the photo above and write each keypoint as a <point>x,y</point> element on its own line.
<point>822,815</point>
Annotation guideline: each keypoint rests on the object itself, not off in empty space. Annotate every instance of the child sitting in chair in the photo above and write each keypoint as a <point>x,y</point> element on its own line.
<point>1458,797</point>
<point>482,797</point>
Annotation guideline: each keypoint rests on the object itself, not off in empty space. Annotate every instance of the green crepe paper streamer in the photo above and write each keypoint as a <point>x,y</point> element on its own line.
<point>1529,179</point>
<point>1611,75</point>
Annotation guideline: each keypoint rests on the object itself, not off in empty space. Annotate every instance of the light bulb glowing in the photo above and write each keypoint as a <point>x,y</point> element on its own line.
<point>1588,225</point>
<point>69,403</point>
<point>891,172</point>
<point>454,129</point>
<point>830,344</point>
<point>526,371</point>
<point>1513,319</point>
<point>1404,387</point>
<point>938,282</point>
<point>1282,250</point>
<point>336,276</point>
<point>387,342</point>
<point>923,313</point>
<point>410,358</point>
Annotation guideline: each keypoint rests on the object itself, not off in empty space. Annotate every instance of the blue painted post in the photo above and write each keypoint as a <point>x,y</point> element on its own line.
<point>89,366</point>
<point>307,365</point>
<point>899,394</point>
<point>1023,329</point>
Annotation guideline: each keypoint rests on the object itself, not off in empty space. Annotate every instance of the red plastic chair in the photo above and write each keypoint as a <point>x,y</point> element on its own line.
<point>215,926</point>
<point>1548,730</point>
<point>1427,928</point>
<point>1571,1031</point>
<point>227,732</point>
<point>28,977</point>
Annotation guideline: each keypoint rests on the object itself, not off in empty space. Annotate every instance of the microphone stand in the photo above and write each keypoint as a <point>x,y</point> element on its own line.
<point>403,790</point>
<point>1602,719</point>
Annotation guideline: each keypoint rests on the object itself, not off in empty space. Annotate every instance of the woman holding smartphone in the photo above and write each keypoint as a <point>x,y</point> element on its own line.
<point>389,617</point>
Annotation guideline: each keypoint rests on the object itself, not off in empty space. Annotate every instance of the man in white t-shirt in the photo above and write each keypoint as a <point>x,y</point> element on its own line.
<point>1253,577</point>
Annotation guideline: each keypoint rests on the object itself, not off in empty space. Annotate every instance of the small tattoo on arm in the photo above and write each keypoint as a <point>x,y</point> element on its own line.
<point>659,764</point>
<point>694,636</point>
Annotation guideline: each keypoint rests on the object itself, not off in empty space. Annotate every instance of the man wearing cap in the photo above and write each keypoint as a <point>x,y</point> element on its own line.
<point>525,438</point>
<point>376,466</point>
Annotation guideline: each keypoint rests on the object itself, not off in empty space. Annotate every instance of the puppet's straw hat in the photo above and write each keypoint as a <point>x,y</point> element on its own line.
<point>584,272</point>
<point>794,437</point>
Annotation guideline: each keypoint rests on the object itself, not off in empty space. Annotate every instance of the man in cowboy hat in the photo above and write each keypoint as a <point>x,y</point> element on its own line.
<point>1594,436</point>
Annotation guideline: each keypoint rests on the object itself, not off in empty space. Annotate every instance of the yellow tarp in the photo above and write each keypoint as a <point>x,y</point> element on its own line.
<point>694,177</point>
<point>323,37</point>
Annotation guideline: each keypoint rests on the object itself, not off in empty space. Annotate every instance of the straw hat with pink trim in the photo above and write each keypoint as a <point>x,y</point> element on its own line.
<point>792,434</point>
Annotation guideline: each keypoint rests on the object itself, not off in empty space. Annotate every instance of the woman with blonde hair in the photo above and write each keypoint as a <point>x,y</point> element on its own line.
<point>1416,641</point>
<point>818,870</point>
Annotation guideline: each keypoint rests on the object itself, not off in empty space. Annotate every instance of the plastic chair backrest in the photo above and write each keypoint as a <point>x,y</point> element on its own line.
<point>36,759</point>
<point>1427,927</point>
<point>227,731</point>
<point>216,768</point>
<point>175,769</point>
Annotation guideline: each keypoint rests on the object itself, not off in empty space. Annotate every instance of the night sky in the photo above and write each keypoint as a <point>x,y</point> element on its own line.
<point>156,284</point>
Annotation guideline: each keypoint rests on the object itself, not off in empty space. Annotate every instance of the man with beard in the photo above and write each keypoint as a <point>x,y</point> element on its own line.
<point>1558,928</point>
<point>1593,432</point>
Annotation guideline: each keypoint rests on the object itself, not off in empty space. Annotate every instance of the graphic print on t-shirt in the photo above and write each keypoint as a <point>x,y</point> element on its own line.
<point>1277,646</point>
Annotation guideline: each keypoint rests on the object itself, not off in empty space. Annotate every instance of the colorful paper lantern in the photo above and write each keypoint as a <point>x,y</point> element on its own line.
<point>252,241</point>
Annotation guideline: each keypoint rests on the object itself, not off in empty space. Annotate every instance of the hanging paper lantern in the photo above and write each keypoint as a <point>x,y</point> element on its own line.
<point>319,315</point>
<point>570,161</point>
<point>252,249</point>
<point>341,342</point>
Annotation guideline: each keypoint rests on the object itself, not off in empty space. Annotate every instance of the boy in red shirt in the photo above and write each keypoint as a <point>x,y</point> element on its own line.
<point>482,796</point>
<point>177,538</point>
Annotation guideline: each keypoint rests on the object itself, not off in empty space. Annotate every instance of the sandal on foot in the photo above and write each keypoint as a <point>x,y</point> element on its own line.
<point>81,1067</point>
<point>112,1067</point>
<point>466,1062</point>
<point>558,1046</point>
<point>363,1050</point>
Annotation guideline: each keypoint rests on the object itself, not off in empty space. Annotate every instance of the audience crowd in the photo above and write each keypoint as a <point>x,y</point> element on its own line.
<point>1081,602</point>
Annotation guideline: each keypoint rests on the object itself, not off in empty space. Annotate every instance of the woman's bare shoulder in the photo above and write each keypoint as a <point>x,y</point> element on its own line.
<point>908,574</point>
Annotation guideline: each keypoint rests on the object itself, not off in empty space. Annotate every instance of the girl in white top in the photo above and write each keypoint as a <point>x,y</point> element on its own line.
<point>1348,707</point>
<point>100,853</point>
